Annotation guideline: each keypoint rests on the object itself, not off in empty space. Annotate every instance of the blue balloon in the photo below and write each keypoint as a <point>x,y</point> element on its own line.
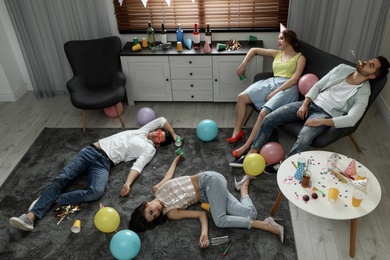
<point>207,130</point>
<point>125,245</point>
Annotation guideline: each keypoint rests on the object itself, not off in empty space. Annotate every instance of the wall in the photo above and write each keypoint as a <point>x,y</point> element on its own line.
<point>384,100</point>
<point>14,78</point>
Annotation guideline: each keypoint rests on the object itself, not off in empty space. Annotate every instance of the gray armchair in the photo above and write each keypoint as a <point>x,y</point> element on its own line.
<point>319,63</point>
<point>98,81</point>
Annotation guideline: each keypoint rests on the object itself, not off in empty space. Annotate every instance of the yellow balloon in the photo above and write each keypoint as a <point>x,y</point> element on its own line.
<point>107,220</point>
<point>254,164</point>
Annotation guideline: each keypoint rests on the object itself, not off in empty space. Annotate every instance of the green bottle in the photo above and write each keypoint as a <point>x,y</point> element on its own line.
<point>150,33</point>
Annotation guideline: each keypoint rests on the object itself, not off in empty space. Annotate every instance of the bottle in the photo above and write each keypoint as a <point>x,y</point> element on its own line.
<point>150,33</point>
<point>196,37</point>
<point>207,35</point>
<point>163,34</point>
<point>179,34</point>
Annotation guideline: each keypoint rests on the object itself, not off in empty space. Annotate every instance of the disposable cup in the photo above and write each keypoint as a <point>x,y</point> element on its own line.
<point>357,198</point>
<point>305,181</point>
<point>179,151</point>
<point>215,241</point>
<point>135,41</point>
<point>76,226</point>
<point>179,141</point>
<point>205,206</point>
<point>361,175</point>
<point>332,195</point>
<point>144,43</point>
<point>179,46</point>
<point>221,46</point>
<point>136,47</point>
<point>252,38</point>
<point>242,77</point>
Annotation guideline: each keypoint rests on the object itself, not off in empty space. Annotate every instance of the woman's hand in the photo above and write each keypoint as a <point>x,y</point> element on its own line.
<point>240,69</point>
<point>125,190</point>
<point>204,241</point>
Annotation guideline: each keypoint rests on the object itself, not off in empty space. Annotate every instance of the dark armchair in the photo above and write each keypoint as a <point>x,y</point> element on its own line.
<point>98,81</point>
<point>319,63</point>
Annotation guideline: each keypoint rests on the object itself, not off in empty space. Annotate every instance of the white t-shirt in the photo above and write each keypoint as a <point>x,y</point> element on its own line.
<point>132,144</point>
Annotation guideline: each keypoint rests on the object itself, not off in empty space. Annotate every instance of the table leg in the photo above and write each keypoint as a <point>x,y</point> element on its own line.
<point>352,238</point>
<point>276,203</point>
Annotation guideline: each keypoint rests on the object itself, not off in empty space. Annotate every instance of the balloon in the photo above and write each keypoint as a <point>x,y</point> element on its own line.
<point>145,115</point>
<point>254,164</point>
<point>111,112</point>
<point>207,130</point>
<point>125,244</point>
<point>107,220</point>
<point>272,152</point>
<point>306,82</point>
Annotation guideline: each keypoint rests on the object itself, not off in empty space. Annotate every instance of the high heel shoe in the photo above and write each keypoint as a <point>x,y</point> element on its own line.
<point>238,184</point>
<point>271,221</point>
<point>240,135</point>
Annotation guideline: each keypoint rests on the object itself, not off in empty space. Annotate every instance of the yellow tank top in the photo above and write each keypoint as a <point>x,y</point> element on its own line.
<point>285,69</point>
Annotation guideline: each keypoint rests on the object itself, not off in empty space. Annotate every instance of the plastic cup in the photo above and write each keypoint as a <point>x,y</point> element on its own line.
<point>332,195</point>
<point>252,38</point>
<point>242,77</point>
<point>179,46</point>
<point>361,175</point>
<point>76,226</point>
<point>135,41</point>
<point>357,198</point>
<point>144,43</point>
<point>179,141</point>
<point>221,46</point>
<point>136,47</point>
<point>205,206</point>
<point>215,241</point>
<point>305,181</point>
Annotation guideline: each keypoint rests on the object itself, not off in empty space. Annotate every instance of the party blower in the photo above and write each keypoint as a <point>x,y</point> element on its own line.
<point>354,54</point>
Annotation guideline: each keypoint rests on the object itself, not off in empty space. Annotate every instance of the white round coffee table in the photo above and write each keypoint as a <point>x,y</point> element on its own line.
<point>321,181</point>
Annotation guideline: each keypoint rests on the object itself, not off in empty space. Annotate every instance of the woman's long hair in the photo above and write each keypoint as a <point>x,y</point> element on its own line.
<point>138,221</point>
<point>291,37</point>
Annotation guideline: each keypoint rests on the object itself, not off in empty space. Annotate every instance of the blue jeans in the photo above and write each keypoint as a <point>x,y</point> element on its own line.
<point>89,162</point>
<point>288,114</point>
<point>226,210</point>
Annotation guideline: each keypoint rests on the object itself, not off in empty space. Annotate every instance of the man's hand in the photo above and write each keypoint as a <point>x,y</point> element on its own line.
<point>302,112</point>
<point>125,190</point>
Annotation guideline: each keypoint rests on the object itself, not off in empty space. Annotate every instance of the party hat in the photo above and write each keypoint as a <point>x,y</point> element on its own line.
<point>206,48</point>
<point>362,185</point>
<point>188,43</point>
<point>299,173</point>
<point>282,27</point>
<point>350,171</point>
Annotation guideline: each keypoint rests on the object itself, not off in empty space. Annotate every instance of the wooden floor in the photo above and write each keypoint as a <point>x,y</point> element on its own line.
<point>316,238</point>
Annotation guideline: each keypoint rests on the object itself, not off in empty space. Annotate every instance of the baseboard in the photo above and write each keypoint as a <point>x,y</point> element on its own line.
<point>16,96</point>
<point>384,110</point>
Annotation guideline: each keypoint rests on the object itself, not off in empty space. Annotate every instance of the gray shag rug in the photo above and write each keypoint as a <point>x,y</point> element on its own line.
<point>174,240</point>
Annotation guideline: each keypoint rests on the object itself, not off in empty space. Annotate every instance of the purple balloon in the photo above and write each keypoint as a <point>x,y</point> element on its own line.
<point>145,115</point>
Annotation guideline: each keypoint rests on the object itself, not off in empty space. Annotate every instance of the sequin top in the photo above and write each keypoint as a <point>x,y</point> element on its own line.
<point>178,193</point>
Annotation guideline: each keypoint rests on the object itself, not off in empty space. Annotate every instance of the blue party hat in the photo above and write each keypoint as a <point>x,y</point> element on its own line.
<point>299,173</point>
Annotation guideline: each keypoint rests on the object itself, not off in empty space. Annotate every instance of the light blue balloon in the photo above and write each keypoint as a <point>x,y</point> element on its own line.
<point>125,245</point>
<point>207,130</point>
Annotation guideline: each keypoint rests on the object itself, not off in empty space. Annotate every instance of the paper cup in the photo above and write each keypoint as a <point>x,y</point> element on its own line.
<point>357,198</point>
<point>135,41</point>
<point>136,47</point>
<point>361,175</point>
<point>144,43</point>
<point>221,46</point>
<point>179,151</point>
<point>252,38</point>
<point>179,46</point>
<point>76,226</point>
<point>205,206</point>
<point>179,141</point>
<point>243,77</point>
<point>332,195</point>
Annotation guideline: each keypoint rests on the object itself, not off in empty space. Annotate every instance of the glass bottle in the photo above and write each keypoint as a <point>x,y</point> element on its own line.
<point>207,35</point>
<point>196,37</point>
<point>163,34</point>
<point>179,34</point>
<point>150,33</point>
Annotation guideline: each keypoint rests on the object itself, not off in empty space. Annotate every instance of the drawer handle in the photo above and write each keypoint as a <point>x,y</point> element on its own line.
<point>192,85</point>
<point>167,79</point>
<point>191,74</point>
<point>192,96</point>
<point>215,80</point>
<point>190,62</point>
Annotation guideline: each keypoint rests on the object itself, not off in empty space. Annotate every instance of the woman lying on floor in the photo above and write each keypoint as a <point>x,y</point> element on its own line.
<point>173,196</point>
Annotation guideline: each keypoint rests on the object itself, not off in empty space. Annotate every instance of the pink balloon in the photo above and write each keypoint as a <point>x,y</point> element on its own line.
<point>306,82</point>
<point>272,152</point>
<point>111,112</point>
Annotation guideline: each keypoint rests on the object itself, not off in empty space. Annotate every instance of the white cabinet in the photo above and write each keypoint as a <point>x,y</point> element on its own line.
<point>147,78</point>
<point>191,78</point>
<point>227,85</point>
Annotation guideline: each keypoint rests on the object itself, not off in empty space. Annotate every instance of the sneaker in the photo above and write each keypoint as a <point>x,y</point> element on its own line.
<point>272,168</point>
<point>32,204</point>
<point>22,223</point>
<point>238,162</point>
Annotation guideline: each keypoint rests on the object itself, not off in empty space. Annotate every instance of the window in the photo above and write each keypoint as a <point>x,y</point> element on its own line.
<point>230,15</point>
